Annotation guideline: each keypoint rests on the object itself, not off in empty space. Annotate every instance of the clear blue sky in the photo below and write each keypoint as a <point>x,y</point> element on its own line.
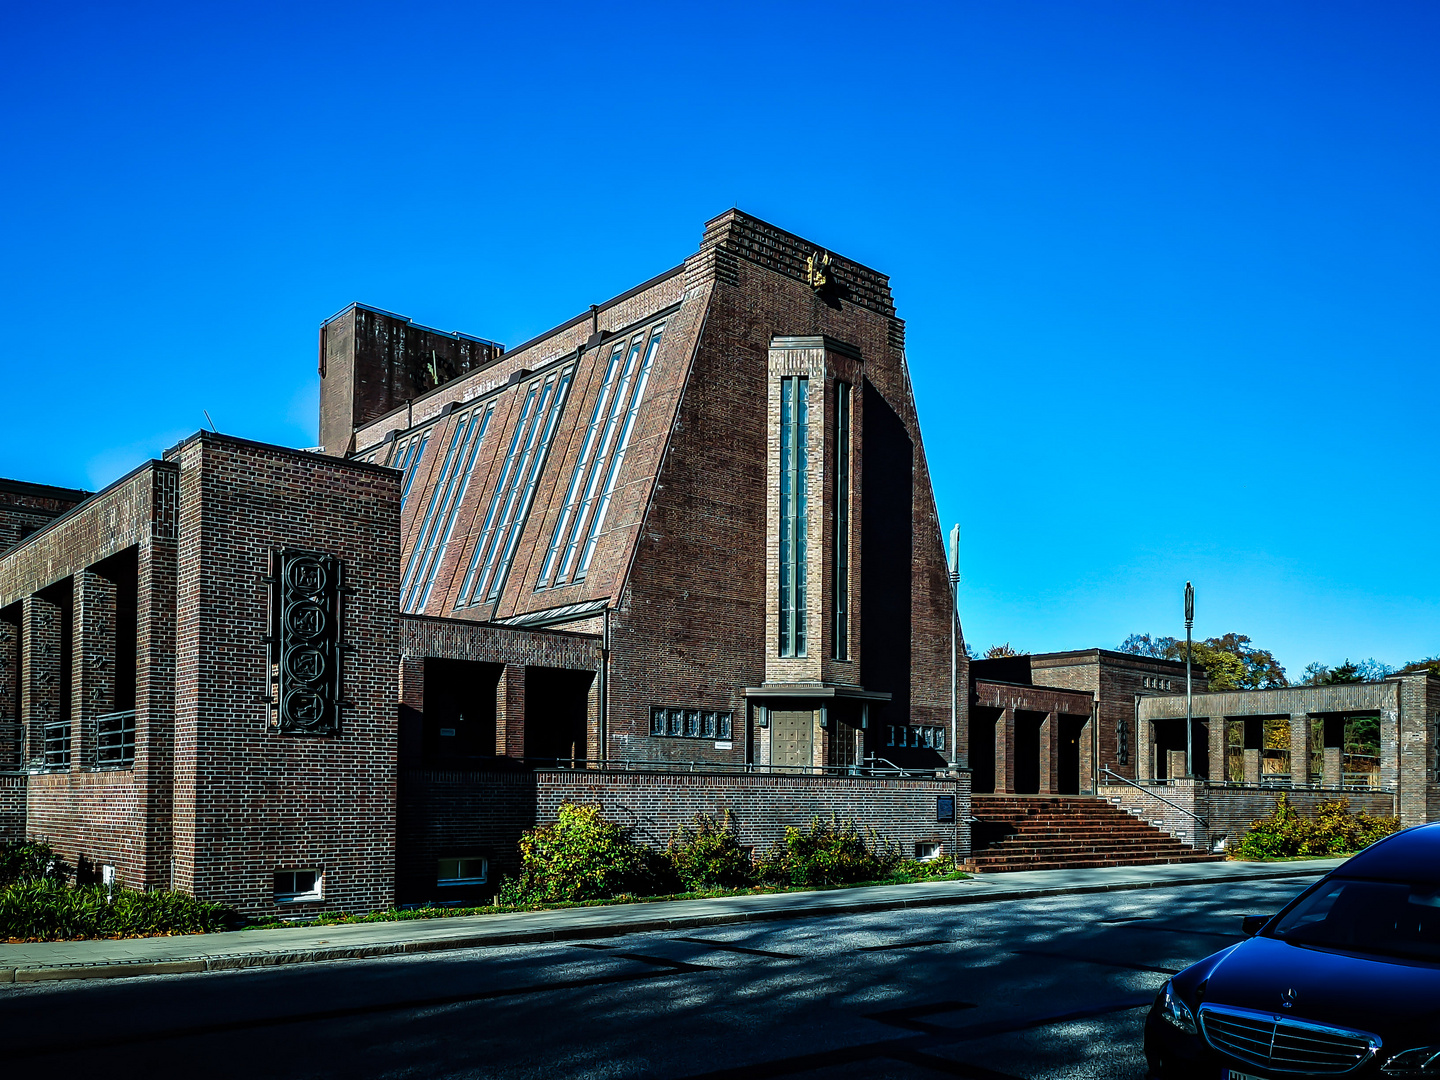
<point>1169,269</point>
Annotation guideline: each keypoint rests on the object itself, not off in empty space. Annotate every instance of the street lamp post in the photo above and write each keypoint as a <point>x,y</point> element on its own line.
<point>1189,720</point>
<point>954,645</point>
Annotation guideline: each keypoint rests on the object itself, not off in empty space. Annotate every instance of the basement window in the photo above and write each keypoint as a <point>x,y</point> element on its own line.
<point>466,870</point>
<point>296,886</point>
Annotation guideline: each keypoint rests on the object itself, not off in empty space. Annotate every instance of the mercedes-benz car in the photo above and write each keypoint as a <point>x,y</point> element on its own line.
<point>1343,981</point>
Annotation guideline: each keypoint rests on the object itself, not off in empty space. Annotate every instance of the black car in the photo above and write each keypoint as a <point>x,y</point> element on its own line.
<point>1344,981</point>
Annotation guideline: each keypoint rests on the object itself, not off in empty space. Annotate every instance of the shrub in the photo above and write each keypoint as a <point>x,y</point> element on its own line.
<point>32,860</point>
<point>1333,830</point>
<point>44,909</point>
<point>708,855</point>
<point>583,857</point>
<point>827,853</point>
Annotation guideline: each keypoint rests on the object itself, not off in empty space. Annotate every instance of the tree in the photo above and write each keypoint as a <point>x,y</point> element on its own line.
<point>996,652</point>
<point>1432,665</point>
<point>1230,661</point>
<point>1372,670</point>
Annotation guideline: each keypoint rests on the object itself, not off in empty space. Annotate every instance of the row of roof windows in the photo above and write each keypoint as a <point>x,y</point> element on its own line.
<point>588,495</point>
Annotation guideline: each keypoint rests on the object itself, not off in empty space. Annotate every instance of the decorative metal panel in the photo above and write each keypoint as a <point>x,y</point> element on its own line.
<point>305,588</point>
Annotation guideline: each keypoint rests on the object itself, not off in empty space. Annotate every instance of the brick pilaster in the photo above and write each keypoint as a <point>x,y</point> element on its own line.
<point>1301,742</point>
<point>40,692</point>
<point>510,712</point>
<point>92,678</point>
<point>11,733</point>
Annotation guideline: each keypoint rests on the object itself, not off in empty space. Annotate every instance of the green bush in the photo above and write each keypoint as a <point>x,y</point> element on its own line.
<point>44,909</point>
<point>708,855</point>
<point>1333,830</point>
<point>827,853</point>
<point>32,860</point>
<point>583,857</point>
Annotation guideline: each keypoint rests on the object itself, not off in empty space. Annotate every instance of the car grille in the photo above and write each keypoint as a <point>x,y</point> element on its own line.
<point>1280,1044</point>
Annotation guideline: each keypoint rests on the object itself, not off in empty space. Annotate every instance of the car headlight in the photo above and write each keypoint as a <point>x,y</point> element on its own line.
<point>1421,1061</point>
<point>1175,1012</point>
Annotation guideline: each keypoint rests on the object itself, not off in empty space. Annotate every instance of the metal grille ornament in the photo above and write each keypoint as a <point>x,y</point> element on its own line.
<point>305,589</point>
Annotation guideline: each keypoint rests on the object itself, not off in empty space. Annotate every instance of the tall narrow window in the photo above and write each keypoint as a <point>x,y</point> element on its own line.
<point>794,429</point>
<point>842,522</point>
<point>612,474</point>
<point>406,458</point>
<point>510,502</point>
<point>582,465</point>
<point>431,542</point>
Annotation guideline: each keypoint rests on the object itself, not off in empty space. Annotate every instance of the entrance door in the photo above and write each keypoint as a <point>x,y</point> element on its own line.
<point>791,734</point>
<point>1067,774</point>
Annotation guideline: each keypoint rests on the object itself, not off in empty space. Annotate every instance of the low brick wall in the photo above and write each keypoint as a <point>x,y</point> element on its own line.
<point>12,808</point>
<point>1229,810</point>
<point>446,814</point>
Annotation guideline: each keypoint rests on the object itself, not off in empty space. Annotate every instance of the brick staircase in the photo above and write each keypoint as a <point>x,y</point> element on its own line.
<point>1062,832</point>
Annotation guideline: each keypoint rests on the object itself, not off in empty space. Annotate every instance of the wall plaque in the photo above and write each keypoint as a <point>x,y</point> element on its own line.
<point>304,638</point>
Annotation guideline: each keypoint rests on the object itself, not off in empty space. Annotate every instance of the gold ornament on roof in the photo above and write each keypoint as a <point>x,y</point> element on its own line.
<point>817,270</point>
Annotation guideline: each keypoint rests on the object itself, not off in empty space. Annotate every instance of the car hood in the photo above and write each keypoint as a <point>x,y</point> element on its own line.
<point>1384,997</point>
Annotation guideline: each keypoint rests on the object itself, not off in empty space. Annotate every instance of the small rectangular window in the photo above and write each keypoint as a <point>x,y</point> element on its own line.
<point>466,870</point>
<point>292,886</point>
<point>657,721</point>
<point>725,726</point>
<point>940,738</point>
<point>677,722</point>
<point>707,726</point>
<point>692,724</point>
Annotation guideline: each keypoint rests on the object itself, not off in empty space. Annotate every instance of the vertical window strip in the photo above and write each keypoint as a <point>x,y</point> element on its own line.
<point>577,478</point>
<point>516,480</point>
<point>527,497</point>
<point>842,522</point>
<point>479,422</point>
<point>794,469</point>
<point>416,451</point>
<point>597,523</point>
<point>592,493</point>
<point>497,498</point>
<point>427,524</point>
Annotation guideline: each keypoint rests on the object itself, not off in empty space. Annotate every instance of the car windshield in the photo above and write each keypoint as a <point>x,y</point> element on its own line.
<point>1388,917</point>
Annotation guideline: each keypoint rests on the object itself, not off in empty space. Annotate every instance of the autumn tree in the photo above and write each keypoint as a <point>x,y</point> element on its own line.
<point>1230,661</point>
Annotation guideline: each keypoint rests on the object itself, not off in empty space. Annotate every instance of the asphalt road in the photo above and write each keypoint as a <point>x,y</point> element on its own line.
<point>1037,988</point>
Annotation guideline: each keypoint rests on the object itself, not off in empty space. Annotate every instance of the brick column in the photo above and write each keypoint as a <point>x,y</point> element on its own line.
<point>1005,752</point>
<point>1301,742</point>
<point>92,672</point>
<point>40,692</point>
<point>11,733</point>
<point>1050,753</point>
<point>1175,764</point>
<point>1219,744</point>
<point>1253,743</point>
<point>1332,768</point>
<point>1390,749</point>
<point>1144,749</point>
<point>510,712</point>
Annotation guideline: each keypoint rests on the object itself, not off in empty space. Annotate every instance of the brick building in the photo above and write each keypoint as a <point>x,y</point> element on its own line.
<point>678,554</point>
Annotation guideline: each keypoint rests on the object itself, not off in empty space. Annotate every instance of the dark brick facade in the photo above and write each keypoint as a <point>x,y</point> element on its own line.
<point>453,699</point>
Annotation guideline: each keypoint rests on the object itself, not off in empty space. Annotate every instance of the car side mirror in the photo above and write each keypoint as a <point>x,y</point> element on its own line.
<point>1250,925</point>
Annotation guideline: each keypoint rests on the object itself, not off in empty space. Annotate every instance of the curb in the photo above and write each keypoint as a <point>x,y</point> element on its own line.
<point>235,961</point>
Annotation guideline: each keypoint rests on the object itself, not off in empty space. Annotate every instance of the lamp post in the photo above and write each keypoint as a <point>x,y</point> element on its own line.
<point>1189,721</point>
<point>954,645</point>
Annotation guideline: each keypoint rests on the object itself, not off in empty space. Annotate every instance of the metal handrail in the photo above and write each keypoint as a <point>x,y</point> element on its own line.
<point>1204,824</point>
<point>580,764</point>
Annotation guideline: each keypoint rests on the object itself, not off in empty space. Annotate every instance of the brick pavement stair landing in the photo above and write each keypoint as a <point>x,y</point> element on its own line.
<point>1062,832</point>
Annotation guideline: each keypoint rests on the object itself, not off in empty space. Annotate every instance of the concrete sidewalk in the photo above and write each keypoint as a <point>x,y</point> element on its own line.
<point>294,945</point>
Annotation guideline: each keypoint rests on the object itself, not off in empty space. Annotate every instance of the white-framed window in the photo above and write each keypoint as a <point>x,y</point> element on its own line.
<point>927,852</point>
<point>294,886</point>
<point>463,870</point>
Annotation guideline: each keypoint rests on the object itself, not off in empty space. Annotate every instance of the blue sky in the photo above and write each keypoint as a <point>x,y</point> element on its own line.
<point>1169,269</point>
